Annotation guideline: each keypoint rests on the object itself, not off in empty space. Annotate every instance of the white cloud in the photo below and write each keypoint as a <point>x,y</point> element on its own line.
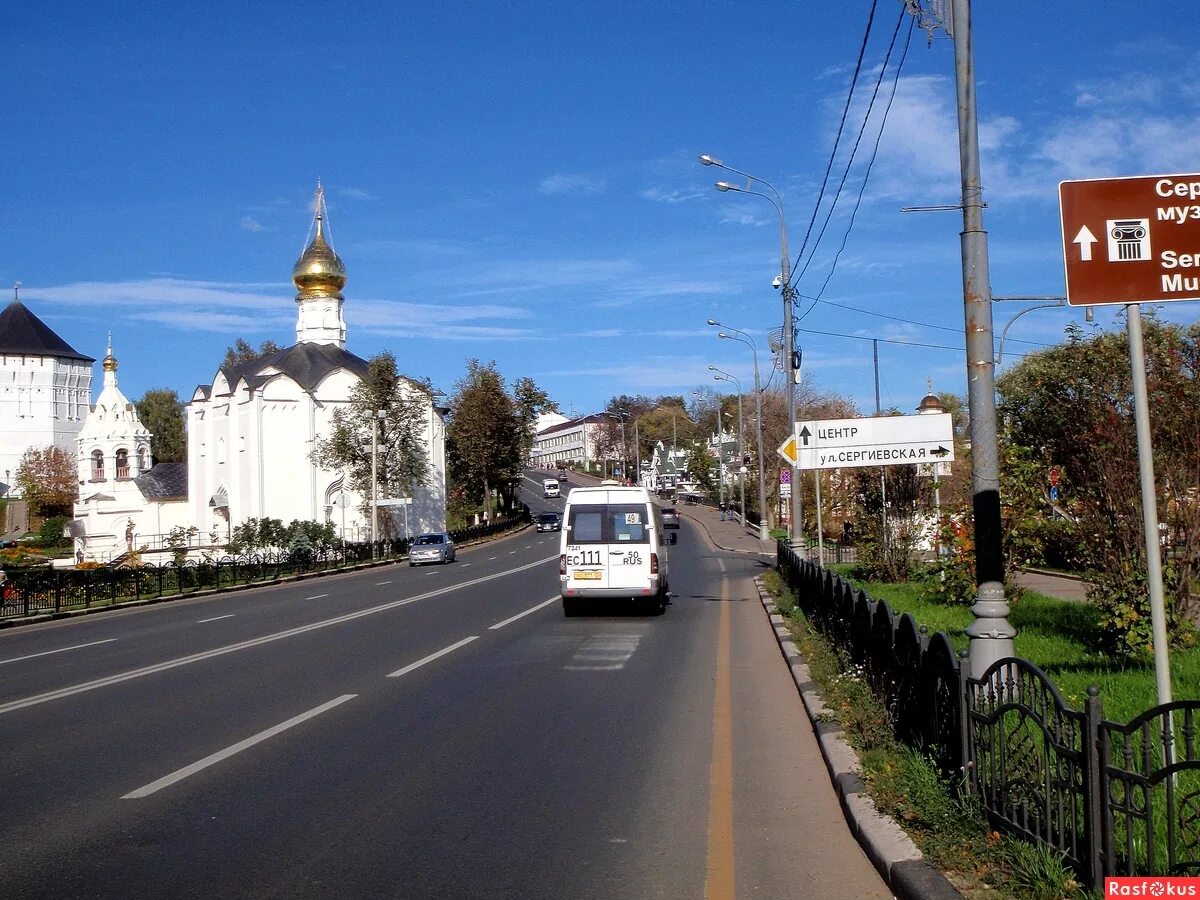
<point>251,224</point>
<point>729,214</point>
<point>571,183</point>
<point>356,193</point>
<point>660,195</point>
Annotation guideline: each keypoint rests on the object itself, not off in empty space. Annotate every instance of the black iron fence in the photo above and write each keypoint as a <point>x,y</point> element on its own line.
<point>42,590</point>
<point>1113,798</point>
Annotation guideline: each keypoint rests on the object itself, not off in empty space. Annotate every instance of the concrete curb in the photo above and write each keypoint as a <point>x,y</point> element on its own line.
<point>903,867</point>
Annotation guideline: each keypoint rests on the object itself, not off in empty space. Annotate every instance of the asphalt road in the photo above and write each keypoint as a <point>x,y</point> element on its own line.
<point>432,732</point>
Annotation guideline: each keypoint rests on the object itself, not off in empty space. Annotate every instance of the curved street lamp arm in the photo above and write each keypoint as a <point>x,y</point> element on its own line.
<point>1003,334</point>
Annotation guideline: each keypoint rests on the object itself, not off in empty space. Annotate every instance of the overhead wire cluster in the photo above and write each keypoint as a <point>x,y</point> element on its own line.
<point>824,208</point>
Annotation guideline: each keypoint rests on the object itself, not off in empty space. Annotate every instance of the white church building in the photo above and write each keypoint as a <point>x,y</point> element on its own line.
<point>250,434</point>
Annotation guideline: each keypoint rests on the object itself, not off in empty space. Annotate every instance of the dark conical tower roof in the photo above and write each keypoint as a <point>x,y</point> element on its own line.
<point>23,333</point>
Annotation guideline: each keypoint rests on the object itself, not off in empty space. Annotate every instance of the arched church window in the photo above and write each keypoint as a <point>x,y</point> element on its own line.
<point>141,460</point>
<point>122,463</point>
<point>97,465</point>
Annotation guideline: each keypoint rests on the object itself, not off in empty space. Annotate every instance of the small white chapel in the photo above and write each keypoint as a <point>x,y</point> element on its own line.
<point>250,435</point>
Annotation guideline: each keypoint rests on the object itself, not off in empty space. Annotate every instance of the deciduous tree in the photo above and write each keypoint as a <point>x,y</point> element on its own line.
<point>242,352</point>
<point>402,459</point>
<point>48,480</point>
<point>161,411</point>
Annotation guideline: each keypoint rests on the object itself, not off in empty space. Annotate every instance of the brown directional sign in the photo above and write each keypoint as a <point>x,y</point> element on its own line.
<point>1131,240</point>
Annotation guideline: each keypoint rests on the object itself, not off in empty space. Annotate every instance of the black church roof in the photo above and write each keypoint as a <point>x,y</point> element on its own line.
<point>23,333</point>
<point>306,364</point>
<point>165,481</point>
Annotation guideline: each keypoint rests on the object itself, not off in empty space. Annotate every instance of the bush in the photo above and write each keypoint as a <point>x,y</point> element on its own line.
<point>1056,543</point>
<point>51,532</point>
<point>1124,600</point>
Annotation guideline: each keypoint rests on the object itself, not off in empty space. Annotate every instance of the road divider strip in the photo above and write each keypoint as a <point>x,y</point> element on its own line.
<point>120,677</point>
<point>432,656</point>
<point>211,760</point>
<point>521,615</point>
<point>59,650</point>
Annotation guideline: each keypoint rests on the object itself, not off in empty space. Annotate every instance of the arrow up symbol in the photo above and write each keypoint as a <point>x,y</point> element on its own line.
<point>1085,239</point>
<point>806,434</point>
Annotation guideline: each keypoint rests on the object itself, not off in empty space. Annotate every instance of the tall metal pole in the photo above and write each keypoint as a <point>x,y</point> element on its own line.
<point>991,633</point>
<point>637,452</point>
<point>720,460</point>
<point>1141,408</point>
<point>882,470</point>
<point>790,369</point>
<point>764,530</point>
<point>374,479</point>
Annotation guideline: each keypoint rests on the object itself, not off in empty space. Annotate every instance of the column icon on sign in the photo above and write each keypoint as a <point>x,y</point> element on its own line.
<point>1128,240</point>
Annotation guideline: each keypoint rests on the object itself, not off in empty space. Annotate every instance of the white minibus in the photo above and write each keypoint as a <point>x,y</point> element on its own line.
<point>550,487</point>
<point>613,547</point>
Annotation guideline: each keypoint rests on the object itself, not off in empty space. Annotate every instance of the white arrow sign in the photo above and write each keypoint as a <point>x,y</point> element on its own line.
<point>1085,239</point>
<point>874,441</point>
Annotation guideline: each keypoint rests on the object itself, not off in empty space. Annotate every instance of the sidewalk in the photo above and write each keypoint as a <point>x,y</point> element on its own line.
<point>728,535</point>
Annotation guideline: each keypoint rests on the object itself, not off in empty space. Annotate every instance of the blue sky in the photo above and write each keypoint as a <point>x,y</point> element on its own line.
<point>519,181</point>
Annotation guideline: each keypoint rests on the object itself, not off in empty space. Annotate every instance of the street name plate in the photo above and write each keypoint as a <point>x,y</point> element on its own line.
<point>874,441</point>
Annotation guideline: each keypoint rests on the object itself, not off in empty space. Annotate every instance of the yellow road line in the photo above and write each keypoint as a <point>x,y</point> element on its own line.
<point>719,882</point>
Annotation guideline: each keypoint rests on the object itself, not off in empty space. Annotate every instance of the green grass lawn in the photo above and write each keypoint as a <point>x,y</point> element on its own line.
<point>1060,637</point>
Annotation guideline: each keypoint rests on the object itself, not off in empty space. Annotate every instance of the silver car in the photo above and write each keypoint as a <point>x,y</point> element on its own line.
<point>434,547</point>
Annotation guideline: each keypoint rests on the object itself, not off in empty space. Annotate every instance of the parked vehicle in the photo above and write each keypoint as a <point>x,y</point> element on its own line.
<point>550,488</point>
<point>434,547</point>
<point>549,521</point>
<point>613,548</point>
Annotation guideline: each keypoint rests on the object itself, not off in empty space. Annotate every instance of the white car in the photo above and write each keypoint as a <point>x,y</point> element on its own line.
<point>434,547</point>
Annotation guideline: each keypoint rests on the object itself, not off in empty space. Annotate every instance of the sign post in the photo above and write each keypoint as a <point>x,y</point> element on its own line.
<point>1130,241</point>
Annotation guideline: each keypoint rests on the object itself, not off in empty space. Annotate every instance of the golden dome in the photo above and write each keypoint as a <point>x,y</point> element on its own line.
<point>319,271</point>
<point>109,362</point>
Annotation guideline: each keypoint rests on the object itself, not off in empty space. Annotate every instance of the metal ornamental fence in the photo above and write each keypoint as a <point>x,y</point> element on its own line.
<point>43,590</point>
<point>1113,798</point>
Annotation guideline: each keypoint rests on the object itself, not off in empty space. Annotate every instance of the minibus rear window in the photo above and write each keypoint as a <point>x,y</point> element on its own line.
<point>608,523</point>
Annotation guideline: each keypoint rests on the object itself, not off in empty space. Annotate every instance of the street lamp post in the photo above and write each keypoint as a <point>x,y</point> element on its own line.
<point>624,448</point>
<point>764,531</point>
<point>795,526</point>
<point>725,376</point>
<point>377,416</point>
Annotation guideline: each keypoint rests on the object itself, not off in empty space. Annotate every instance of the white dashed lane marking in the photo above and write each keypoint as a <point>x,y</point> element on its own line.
<point>316,596</point>
<point>432,656</point>
<point>59,650</point>
<point>213,759</point>
<point>214,619</point>
<point>520,615</point>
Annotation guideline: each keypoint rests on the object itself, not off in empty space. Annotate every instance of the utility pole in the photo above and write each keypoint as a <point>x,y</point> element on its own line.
<point>991,633</point>
<point>376,415</point>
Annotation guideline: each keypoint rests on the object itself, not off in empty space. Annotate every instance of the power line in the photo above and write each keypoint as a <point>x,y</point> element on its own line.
<point>862,51</point>
<point>854,150</point>
<point>868,312</point>
<point>859,337</point>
